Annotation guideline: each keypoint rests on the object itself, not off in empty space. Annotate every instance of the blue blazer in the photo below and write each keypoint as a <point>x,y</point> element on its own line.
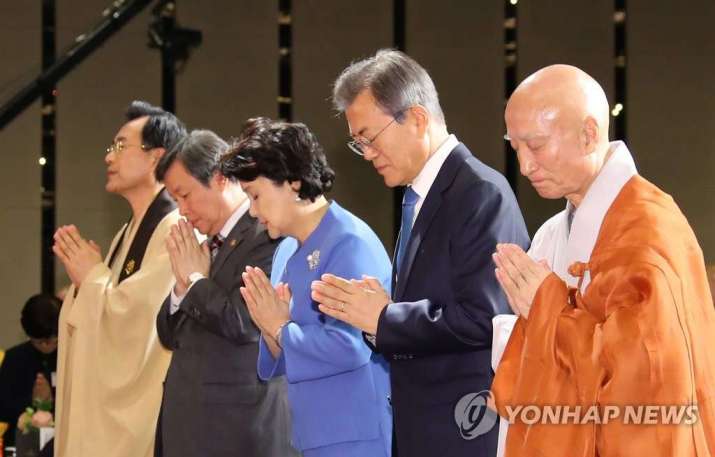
<point>437,335</point>
<point>337,389</point>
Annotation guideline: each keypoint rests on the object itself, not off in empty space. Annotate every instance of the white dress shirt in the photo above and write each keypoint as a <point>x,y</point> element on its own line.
<point>196,276</point>
<point>424,180</point>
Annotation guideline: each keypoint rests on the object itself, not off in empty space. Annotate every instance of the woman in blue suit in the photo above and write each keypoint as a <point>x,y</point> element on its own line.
<point>338,390</point>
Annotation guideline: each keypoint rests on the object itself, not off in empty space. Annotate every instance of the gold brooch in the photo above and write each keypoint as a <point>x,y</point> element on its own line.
<point>130,267</point>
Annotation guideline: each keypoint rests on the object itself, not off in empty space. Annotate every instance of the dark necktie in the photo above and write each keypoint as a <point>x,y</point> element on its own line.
<point>215,244</point>
<point>409,200</point>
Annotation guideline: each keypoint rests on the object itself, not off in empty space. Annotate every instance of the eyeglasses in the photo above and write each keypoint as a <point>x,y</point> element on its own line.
<point>358,145</point>
<point>118,146</point>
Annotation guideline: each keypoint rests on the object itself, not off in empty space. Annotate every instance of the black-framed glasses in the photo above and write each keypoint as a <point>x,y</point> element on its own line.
<point>119,146</point>
<point>358,145</point>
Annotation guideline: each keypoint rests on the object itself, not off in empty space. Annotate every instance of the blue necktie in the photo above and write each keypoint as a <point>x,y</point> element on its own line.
<point>409,200</point>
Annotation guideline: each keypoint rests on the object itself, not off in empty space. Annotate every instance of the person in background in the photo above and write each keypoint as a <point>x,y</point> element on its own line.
<point>27,373</point>
<point>338,392</point>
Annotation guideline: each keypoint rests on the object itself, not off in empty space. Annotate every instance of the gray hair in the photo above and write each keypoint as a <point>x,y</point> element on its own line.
<point>395,80</point>
<point>200,152</point>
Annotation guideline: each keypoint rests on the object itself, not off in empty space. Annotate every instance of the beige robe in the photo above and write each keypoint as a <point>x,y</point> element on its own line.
<point>110,363</point>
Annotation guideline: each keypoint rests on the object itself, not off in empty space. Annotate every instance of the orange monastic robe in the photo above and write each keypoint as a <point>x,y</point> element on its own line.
<point>641,333</point>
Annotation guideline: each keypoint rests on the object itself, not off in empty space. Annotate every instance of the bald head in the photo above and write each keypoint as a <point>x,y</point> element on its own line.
<point>557,121</point>
<point>566,91</point>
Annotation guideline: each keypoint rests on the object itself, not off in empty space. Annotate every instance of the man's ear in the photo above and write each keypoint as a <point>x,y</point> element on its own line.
<point>219,180</point>
<point>420,118</point>
<point>589,134</point>
<point>157,154</point>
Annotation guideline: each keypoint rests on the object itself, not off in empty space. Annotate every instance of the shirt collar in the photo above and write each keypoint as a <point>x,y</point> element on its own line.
<point>423,182</point>
<point>233,220</point>
<point>588,217</point>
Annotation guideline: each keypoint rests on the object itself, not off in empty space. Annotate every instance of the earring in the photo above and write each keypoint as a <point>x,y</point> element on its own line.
<point>298,199</point>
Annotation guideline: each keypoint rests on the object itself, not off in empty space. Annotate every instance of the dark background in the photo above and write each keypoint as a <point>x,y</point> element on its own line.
<point>474,49</point>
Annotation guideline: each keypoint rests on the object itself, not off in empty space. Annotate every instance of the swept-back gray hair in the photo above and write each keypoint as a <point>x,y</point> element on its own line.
<point>200,152</point>
<point>395,80</point>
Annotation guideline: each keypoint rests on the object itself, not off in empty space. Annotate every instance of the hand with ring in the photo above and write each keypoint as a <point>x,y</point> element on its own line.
<point>356,302</point>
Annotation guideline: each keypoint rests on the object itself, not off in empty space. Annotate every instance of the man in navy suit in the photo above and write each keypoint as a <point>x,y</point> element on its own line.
<point>436,329</point>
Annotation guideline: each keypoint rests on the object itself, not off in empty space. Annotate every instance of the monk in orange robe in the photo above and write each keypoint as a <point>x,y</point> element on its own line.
<point>615,318</point>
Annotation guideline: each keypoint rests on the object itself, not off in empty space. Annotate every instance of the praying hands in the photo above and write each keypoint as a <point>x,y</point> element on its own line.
<point>356,302</point>
<point>519,276</point>
<point>187,255</point>
<point>77,255</point>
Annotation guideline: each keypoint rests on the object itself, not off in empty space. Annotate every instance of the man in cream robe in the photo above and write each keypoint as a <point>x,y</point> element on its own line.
<point>110,363</point>
<point>620,318</point>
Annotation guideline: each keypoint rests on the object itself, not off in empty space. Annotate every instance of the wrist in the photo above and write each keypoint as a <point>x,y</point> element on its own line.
<point>193,278</point>
<point>180,289</point>
<point>279,331</point>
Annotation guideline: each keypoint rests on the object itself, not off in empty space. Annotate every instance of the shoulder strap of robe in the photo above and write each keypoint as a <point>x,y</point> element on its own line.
<point>159,208</point>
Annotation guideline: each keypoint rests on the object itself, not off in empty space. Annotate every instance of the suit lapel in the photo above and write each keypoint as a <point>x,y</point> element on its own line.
<point>427,212</point>
<point>429,209</point>
<point>232,241</point>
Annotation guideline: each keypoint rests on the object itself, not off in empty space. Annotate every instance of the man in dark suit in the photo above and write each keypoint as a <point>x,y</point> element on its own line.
<point>214,404</point>
<point>436,329</point>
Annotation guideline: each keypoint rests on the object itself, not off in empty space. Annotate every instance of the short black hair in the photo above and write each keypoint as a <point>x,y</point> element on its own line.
<point>200,152</point>
<point>280,151</point>
<point>40,316</point>
<point>162,128</point>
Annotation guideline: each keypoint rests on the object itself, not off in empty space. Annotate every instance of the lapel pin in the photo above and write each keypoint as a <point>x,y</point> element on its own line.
<point>233,243</point>
<point>129,269</point>
<point>313,259</point>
